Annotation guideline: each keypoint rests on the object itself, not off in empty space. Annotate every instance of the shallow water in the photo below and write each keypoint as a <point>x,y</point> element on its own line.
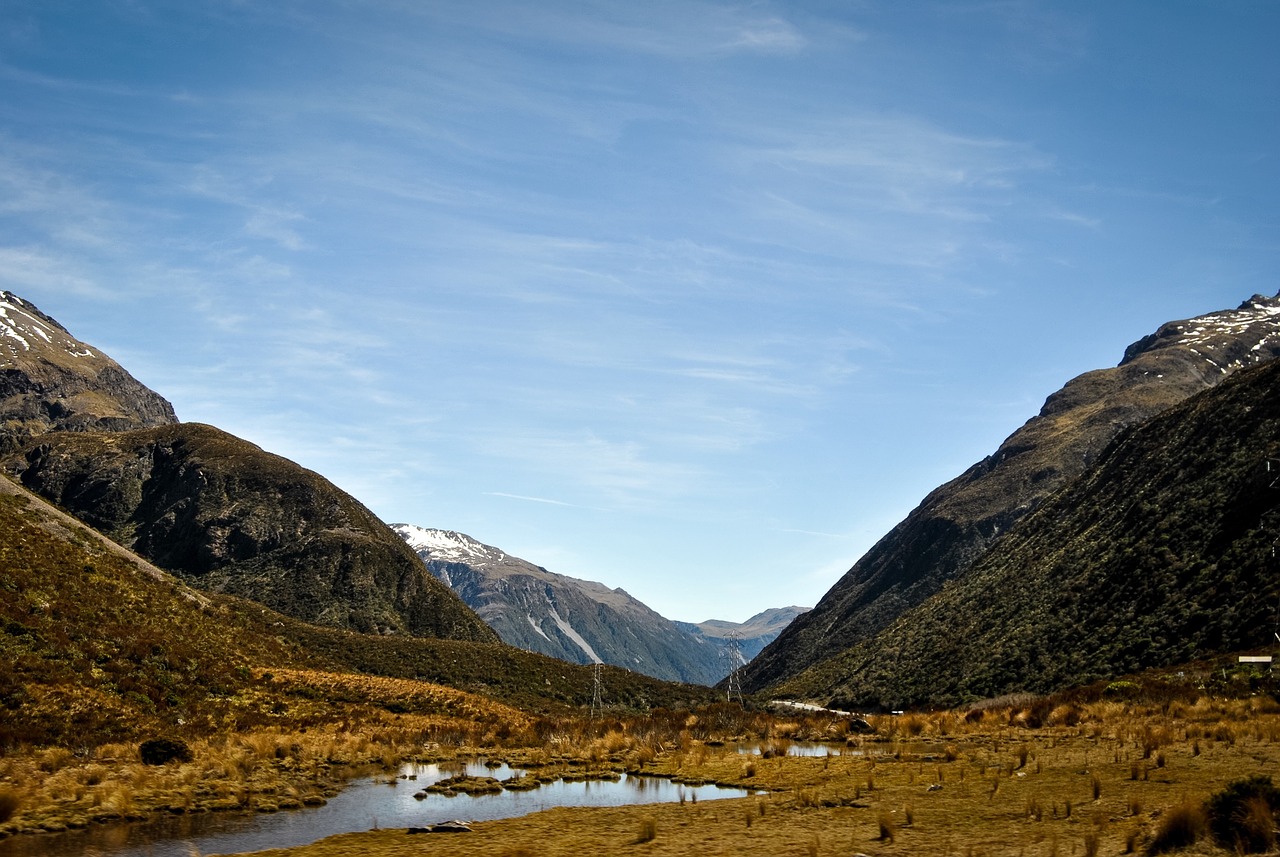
<point>801,748</point>
<point>363,805</point>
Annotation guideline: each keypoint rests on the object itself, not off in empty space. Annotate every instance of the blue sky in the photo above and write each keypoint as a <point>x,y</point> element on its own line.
<point>693,298</point>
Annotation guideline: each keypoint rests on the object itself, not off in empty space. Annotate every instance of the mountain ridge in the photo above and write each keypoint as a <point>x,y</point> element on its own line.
<point>51,381</point>
<point>198,501</point>
<point>581,621</point>
<point>958,521</point>
<point>1161,554</point>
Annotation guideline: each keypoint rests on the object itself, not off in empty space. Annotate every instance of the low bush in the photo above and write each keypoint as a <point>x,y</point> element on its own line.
<point>1242,816</point>
<point>162,751</point>
<point>1179,826</point>
<point>9,803</point>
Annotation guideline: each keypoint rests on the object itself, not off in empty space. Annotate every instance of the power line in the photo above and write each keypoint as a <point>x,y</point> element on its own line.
<point>597,690</point>
<point>732,653</point>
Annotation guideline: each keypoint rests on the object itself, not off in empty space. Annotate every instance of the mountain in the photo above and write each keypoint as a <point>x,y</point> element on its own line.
<point>751,636</point>
<point>97,645</point>
<point>1162,554</point>
<point>954,527</point>
<point>216,510</point>
<point>51,381</point>
<point>576,620</point>
<point>228,517</point>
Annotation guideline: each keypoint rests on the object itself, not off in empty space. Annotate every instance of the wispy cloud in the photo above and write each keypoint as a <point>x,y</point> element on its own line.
<point>30,271</point>
<point>530,499</point>
<point>668,29</point>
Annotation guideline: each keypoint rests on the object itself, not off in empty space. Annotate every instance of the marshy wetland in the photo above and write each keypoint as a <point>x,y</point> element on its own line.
<point>1086,776</point>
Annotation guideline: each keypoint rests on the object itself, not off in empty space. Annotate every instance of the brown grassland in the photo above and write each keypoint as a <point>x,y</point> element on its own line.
<point>1083,775</point>
<point>1105,777</point>
<point>99,654</point>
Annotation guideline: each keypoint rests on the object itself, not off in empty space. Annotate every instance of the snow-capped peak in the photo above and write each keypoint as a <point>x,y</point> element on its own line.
<point>22,326</point>
<point>443,544</point>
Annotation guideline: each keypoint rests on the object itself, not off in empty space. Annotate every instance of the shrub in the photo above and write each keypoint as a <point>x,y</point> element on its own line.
<point>9,803</point>
<point>1179,827</point>
<point>161,751</point>
<point>1242,815</point>
<point>888,828</point>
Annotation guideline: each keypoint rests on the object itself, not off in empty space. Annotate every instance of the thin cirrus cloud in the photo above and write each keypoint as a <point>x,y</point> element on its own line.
<point>667,29</point>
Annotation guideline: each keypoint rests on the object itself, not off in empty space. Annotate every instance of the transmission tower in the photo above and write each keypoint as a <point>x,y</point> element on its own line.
<point>732,653</point>
<point>597,691</point>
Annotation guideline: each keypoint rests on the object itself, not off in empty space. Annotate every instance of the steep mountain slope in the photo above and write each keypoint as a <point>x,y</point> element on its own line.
<point>98,645</point>
<point>752,635</point>
<point>49,380</point>
<point>228,517</point>
<point>959,521</point>
<point>198,501</point>
<point>1163,553</point>
<point>576,620</point>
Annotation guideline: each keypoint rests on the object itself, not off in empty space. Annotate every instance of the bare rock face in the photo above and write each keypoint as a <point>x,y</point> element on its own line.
<point>959,521</point>
<point>51,381</point>
<point>580,621</point>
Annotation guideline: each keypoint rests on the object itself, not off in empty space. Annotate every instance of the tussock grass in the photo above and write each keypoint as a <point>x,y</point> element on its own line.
<point>981,807</point>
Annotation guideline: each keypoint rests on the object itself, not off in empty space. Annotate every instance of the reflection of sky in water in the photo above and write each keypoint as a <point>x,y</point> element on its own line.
<point>800,748</point>
<point>363,805</point>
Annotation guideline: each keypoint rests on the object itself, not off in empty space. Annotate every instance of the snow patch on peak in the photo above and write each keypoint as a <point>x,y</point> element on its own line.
<point>21,324</point>
<point>443,544</point>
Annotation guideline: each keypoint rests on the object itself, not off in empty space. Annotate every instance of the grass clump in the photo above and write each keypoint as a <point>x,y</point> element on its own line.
<point>1242,816</point>
<point>1180,826</point>
<point>162,751</point>
<point>9,803</point>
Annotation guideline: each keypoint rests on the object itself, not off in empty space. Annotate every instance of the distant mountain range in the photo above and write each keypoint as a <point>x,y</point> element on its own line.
<point>229,517</point>
<point>583,621</point>
<point>945,608</point>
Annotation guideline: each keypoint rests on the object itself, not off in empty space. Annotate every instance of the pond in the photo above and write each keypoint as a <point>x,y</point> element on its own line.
<point>797,748</point>
<point>363,805</point>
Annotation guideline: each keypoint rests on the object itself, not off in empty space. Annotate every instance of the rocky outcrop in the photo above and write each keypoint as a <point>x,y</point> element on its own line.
<point>51,381</point>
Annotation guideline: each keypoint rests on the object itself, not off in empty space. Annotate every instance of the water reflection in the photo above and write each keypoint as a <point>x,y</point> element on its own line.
<point>797,748</point>
<point>382,802</point>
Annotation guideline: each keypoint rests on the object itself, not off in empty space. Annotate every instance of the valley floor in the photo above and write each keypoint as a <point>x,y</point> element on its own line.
<point>1117,780</point>
<point>1102,777</point>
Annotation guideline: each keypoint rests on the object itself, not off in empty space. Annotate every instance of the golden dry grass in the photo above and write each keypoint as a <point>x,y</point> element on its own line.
<point>939,786</point>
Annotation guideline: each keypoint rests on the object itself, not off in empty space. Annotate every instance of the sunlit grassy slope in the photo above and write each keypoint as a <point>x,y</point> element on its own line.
<point>96,645</point>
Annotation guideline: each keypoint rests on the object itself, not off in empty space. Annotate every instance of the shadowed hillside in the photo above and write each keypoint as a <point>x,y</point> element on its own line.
<point>1163,553</point>
<point>957,523</point>
<point>228,517</point>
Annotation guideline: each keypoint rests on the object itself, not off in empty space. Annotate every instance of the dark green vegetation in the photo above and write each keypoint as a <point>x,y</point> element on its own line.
<point>228,517</point>
<point>528,680</point>
<point>1161,554</point>
<point>955,526</point>
<point>96,646</point>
